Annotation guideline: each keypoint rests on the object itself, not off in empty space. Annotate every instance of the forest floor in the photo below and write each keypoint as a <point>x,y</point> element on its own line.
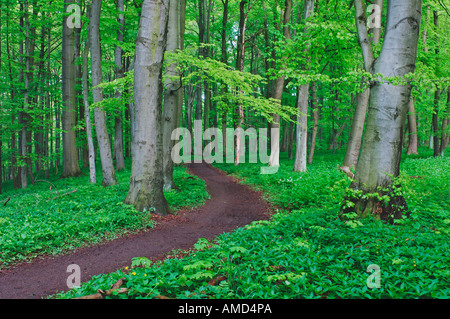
<point>231,205</point>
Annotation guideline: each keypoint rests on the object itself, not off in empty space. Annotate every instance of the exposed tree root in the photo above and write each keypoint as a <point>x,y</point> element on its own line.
<point>101,294</point>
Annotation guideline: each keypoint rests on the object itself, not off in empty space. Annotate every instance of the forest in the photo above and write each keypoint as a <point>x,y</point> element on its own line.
<point>224,149</point>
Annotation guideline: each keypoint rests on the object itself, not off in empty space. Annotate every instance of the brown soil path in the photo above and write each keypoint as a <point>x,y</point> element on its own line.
<point>232,205</point>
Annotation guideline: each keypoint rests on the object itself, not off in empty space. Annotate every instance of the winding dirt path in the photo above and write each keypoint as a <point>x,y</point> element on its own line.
<point>232,205</point>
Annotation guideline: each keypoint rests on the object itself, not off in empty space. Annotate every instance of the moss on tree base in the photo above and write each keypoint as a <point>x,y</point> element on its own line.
<point>382,205</point>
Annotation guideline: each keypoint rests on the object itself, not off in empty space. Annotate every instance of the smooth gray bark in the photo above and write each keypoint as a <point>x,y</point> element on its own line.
<point>316,122</point>
<point>445,123</point>
<point>274,159</point>
<point>240,66</point>
<point>173,95</point>
<point>302,129</point>
<point>87,112</point>
<point>146,182</point>
<point>224,59</point>
<point>382,144</point>
<point>362,99</point>
<point>71,166</point>
<point>376,31</point>
<point>435,116</point>
<point>120,72</point>
<point>412,124</point>
<point>104,143</point>
<point>302,105</point>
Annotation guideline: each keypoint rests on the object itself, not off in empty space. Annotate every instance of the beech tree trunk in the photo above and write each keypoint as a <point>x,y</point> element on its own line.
<point>435,117</point>
<point>71,166</point>
<point>26,95</point>
<point>87,112</point>
<point>146,182</point>
<point>412,124</point>
<point>173,88</point>
<point>316,122</point>
<point>240,66</point>
<point>274,159</point>
<point>120,72</point>
<point>302,105</point>
<point>376,30</point>
<point>104,142</point>
<point>362,99</point>
<point>445,123</point>
<point>224,59</point>
<point>15,151</point>
<point>381,148</point>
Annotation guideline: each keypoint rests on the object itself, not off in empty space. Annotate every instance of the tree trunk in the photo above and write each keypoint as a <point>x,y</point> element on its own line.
<point>362,99</point>
<point>24,114</point>
<point>445,123</point>
<point>84,152</point>
<point>206,53</point>
<point>355,139</point>
<point>336,135</point>
<point>118,123</point>
<point>146,183</point>
<point>15,152</point>
<point>435,124</point>
<point>435,118</point>
<point>316,123</point>
<point>381,148</point>
<point>302,105</point>
<point>224,59</point>
<point>240,66</point>
<point>71,166</point>
<point>274,159</point>
<point>189,107</point>
<point>302,129</point>
<point>412,143</point>
<point>201,22</point>
<point>284,139</point>
<point>87,113</point>
<point>376,30</point>
<point>173,89</point>
<point>104,142</point>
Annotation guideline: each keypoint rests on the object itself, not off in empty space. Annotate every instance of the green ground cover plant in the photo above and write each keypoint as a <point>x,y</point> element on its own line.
<point>58,215</point>
<point>306,250</point>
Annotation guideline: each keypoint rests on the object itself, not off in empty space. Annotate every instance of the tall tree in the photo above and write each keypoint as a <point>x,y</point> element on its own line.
<point>224,59</point>
<point>173,94</point>
<point>118,55</point>
<point>413,141</point>
<point>315,110</point>
<point>146,182</point>
<point>380,155</point>
<point>243,18</point>
<point>71,166</point>
<point>302,105</point>
<point>274,159</point>
<point>87,111</point>
<point>104,143</point>
<point>362,98</point>
<point>437,92</point>
<point>445,124</point>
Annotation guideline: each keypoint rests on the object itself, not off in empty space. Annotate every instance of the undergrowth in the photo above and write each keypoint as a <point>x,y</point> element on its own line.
<point>306,250</point>
<point>58,215</point>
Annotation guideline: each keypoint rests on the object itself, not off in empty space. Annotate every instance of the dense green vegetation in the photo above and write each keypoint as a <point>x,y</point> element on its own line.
<point>110,82</point>
<point>305,250</point>
<point>36,221</point>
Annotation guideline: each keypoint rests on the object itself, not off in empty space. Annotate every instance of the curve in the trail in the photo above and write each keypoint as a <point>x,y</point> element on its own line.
<point>231,205</point>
